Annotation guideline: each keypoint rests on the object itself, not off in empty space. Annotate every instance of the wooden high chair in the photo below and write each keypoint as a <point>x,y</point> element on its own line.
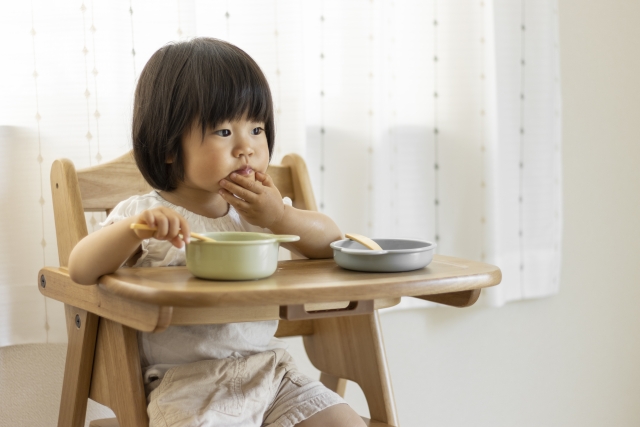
<point>102,361</point>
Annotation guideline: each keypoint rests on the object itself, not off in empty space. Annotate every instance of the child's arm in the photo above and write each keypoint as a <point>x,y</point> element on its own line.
<point>262,205</point>
<point>316,231</point>
<point>104,251</point>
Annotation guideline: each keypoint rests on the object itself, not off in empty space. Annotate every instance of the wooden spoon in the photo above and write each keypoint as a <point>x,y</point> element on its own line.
<point>365,241</point>
<point>195,235</point>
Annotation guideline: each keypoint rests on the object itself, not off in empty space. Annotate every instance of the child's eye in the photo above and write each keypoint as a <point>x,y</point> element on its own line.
<point>257,131</point>
<point>223,132</point>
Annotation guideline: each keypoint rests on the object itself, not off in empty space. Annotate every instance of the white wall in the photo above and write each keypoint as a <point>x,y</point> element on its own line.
<point>570,360</point>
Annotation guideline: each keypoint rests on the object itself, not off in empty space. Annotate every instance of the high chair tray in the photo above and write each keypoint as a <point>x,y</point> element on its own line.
<point>149,298</point>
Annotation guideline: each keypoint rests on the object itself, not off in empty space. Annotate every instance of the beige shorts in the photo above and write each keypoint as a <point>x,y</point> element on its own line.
<point>263,389</point>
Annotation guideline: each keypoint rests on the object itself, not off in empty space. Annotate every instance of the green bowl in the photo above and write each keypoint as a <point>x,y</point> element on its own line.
<point>236,255</point>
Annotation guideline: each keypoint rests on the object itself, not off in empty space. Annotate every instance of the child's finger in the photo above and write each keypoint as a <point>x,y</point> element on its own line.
<point>162,225</point>
<point>174,227</point>
<point>143,218</point>
<point>185,230</point>
<point>147,218</point>
<point>177,242</point>
<point>166,224</point>
<point>264,178</point>
<point>246,182</point>
<point>238,204</point>
<point>239,191</point>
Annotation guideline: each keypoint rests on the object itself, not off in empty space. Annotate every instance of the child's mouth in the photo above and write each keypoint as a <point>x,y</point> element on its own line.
<point>245,171</point>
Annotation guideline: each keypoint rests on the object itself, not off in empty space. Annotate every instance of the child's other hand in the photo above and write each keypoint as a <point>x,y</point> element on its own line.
<point>257,200</point>
<point>169,224</point>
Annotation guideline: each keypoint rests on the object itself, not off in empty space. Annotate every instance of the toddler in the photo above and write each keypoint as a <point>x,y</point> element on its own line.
<point>203,135</point>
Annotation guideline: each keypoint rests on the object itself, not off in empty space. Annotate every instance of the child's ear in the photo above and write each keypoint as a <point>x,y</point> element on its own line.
<point>169,160</point>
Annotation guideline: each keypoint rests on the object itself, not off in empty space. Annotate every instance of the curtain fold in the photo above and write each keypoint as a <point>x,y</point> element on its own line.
<point>430,119</point>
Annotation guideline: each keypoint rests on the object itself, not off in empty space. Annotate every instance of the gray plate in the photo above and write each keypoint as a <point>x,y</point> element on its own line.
<point>396,255</point>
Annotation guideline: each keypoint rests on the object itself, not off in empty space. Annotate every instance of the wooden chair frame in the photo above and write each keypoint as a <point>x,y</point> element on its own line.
<point>102,331</point>
<point>341,348</point>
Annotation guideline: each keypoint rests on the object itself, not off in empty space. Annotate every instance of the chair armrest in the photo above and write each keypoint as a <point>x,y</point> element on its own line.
<point>55,283</point>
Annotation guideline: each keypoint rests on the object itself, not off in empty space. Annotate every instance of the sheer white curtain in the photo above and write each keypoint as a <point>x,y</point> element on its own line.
<point>427,119</point>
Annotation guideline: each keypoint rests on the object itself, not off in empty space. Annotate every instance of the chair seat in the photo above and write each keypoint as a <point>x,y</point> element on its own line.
<point>112,422</point>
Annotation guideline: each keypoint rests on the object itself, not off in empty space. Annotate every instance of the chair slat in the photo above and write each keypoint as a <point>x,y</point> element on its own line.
<point>281,176</point>
<point>104,186</point>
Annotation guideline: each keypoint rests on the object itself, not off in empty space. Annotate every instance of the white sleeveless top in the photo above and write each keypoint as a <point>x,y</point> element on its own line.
<point>186,344</point>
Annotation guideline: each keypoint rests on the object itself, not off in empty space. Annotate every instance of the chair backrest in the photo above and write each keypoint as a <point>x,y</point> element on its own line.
<point>101,188</point>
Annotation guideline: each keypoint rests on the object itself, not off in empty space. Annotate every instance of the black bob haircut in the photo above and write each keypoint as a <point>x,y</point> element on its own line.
<point>205,80</point>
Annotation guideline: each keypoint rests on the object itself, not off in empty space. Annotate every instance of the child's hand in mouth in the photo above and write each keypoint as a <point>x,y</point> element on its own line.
<point>254,196</point>
<point>245,171</point>
<point>238,181</point>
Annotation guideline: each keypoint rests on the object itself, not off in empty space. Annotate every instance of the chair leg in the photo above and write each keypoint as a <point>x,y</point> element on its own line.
<point>126,389</point>
<point>82,328</point>
<point>351,347</point>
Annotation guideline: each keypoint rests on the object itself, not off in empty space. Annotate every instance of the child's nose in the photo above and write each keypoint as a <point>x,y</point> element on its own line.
<point>242,147</point>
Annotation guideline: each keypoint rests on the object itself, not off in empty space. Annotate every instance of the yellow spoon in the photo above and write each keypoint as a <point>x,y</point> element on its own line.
<point>195,235</point>
<point>365,241</point>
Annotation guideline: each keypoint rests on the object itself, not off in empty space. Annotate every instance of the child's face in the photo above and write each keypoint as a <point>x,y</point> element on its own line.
<point>237,146</point>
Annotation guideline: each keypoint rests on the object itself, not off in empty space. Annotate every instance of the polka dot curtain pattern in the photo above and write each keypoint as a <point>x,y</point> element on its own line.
<point>429,119</point>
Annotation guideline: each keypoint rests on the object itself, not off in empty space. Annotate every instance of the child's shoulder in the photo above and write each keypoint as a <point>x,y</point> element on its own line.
<point>133,206</point>
<point>141,202</point>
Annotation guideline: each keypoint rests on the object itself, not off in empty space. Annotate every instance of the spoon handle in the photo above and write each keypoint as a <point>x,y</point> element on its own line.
<point>201,237</point>
<point>148,228</point>
<point>365,241</point>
